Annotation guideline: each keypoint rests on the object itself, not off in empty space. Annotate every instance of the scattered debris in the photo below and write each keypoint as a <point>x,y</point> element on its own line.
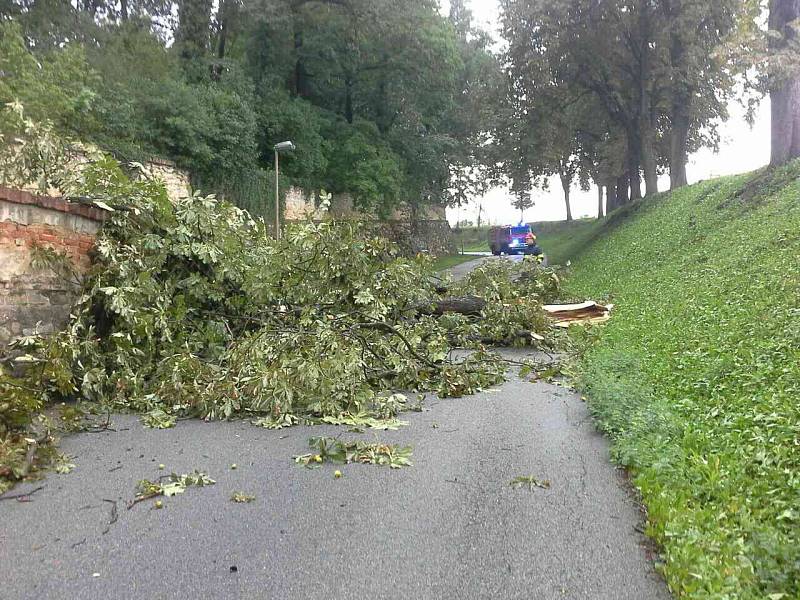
<point>365,420</point>
<point>158,419</point>
<point>336,451</point>
<point>23,497</point>
<point>589,312</point>
<point>114,514</point>
<point>242,498</point>
<point>176,484</point>
<point>63,465</point>
<point>530,482</point>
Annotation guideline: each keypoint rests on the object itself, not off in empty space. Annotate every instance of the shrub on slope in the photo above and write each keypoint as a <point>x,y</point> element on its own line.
<point>697,378</point>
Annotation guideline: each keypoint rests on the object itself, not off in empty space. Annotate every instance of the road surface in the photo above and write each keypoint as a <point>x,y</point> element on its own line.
<point>448,527</point>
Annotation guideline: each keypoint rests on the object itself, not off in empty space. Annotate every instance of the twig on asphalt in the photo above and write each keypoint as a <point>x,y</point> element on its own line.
<point>23,495</point>
<point>114,514</point>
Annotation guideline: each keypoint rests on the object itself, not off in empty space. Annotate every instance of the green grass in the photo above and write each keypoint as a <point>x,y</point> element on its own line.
<point>697,376</point>
<point>472,239</point>
<point>562,241</point>
<point>441,263</point>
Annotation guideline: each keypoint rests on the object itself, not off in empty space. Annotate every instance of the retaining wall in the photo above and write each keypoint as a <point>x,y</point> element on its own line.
<point>35,300</point>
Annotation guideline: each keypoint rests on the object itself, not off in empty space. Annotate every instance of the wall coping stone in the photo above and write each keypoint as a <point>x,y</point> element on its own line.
<point>53,203</point>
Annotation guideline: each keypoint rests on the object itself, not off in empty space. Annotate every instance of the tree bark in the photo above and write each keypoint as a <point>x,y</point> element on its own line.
<point>785,92</point>
<point>679,138</point>
<point>634,156</point>
<point>623,184</point>
<point>682,97</point>
<point>566,183</point>
<point>649,162</point>
<point>611,197</point>
<point>646,131</point>
<point>299,84</point>
<point>600,210</point>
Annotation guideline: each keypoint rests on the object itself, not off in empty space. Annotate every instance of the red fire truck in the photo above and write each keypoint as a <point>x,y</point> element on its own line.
<point>513,240</point>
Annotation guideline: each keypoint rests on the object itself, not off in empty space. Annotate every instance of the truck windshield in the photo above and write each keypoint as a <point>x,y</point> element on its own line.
<point>521,230</point>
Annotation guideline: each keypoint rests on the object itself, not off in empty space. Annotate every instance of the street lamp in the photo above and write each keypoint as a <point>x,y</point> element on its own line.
<point>278,148</point>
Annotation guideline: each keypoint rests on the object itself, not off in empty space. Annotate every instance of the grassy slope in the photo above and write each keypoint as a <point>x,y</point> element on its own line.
<point>562,241</point>
<point>697,377</point>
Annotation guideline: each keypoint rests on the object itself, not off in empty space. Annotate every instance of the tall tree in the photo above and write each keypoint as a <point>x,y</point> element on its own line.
<point>785,86</point>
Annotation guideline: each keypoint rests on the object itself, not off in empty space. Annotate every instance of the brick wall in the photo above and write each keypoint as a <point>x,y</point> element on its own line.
<point>34,300</point>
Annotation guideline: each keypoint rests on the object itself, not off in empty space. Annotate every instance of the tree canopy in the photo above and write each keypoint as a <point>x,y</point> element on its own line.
<point>610,91</point>
<point>381,98</point>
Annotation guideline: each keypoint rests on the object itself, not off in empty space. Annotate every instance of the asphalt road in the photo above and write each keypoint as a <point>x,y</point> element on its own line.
<point>448,527</point>
<point>460,271</point>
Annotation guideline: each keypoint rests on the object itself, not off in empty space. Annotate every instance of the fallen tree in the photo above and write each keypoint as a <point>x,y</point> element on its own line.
<point>190,309</point>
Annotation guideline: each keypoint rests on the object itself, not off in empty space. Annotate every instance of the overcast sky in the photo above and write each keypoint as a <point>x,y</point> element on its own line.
<point>742,149</point>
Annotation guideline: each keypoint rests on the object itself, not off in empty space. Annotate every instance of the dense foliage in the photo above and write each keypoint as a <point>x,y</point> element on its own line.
<point>697,377</point>
<point>605,92</point>
<point>383,99</point>
<point>191,310</point>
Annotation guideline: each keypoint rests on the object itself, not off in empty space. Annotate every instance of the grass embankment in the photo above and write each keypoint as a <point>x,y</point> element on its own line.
<point>697,376</point>
<point>563,240</point>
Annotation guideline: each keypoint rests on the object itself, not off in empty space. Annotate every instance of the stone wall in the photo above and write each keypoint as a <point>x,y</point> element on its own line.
<point>34,300</point>
<point>428,231</point>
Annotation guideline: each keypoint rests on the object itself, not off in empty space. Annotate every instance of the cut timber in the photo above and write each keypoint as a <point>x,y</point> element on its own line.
<point>586,312</point>
<point>467,305</point>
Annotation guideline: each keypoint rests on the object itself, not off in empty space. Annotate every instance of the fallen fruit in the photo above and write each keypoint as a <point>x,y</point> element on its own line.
<point>159,504</point>
<point>234,466</point>
<point>337,474</point>
<point>161,467</point>
<point>317,458</point>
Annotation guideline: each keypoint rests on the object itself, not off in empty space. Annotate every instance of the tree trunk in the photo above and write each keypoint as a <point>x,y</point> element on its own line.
<point>600,211</point>
<point>682,97</point>
<point>785,92</point>
<point>566,183</point>
<point>634,175</point>
<point>222,18</point>
<point>679,138</point>
<point>623,185</point>
<point>611,197</point>
<point>468,305</point>
<point>299,84</point>
<point>646,131</point>
<point>649,162</point>
<point>123,10</point>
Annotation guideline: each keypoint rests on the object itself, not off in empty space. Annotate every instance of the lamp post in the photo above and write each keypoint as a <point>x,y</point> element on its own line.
<point>278,148</point>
